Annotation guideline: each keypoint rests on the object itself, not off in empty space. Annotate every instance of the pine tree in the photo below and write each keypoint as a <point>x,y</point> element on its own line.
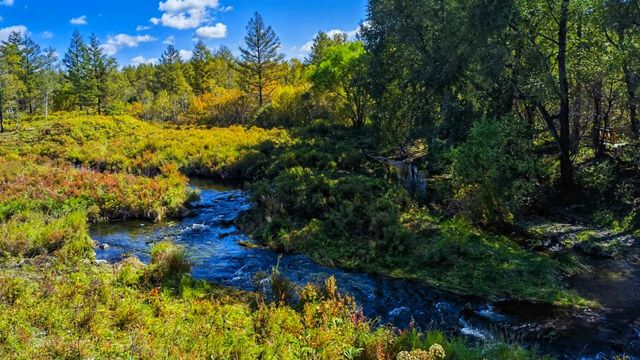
<point>259,61</point>
<point>170,78</point>
<point>76,61</point>
<point>10,70</point>
<point>101,66</point>
<point>170,56</point>
<point>321,42</point>
<point>33,63</point>
<point>201,63</point>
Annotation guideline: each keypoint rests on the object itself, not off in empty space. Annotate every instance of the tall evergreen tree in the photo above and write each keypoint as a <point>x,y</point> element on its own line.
<point>321,42</point>
<point>259,61</point>
<point>170,56</point>
<point>33,62</point>
<point>201,63</point>
<point>170,78</point>
<point>76,62</point>
<point>10,54</point>
<point>101,66</point>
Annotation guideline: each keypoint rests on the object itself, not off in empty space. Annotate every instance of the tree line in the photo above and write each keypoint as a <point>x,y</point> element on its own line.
<point>567,70</point>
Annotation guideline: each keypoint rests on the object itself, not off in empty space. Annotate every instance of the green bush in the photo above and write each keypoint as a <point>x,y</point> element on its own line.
<point>495,170</point>
<point>168,263</point>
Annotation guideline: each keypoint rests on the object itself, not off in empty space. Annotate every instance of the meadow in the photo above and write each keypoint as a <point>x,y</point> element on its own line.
<point>61,174</point>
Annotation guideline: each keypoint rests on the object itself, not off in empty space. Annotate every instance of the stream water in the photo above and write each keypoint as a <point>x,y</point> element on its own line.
<point>212,243</point>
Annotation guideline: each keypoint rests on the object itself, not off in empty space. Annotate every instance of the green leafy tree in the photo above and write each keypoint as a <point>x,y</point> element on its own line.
<point>12,72</point>
<point>321,42</point>
<point>10,69</point>
<point>342,72</point>
<point>546,70</point>
<point>622,29</point>
<point>258,66</point>
<point>438,65</point>
<point>495,170</point>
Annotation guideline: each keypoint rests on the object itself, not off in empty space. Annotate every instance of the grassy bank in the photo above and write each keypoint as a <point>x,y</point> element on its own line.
<point>133,311</point>
<point>125,144</point>
<point>321,194</point>
<point>55,302</point>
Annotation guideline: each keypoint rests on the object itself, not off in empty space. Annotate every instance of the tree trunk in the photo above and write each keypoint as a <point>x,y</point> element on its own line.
<point>566,166</point>
<point>46,105</point>
<point>576,119</point>
<point>596,93</point>
<point>629,78</point>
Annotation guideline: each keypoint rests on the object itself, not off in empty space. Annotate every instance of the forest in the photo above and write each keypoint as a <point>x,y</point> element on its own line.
<point>464,173</point>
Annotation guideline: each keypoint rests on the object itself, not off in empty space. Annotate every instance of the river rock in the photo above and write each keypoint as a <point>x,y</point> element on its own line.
<point>467,311</point>
<point>100,262</point>
<point>104,246</point>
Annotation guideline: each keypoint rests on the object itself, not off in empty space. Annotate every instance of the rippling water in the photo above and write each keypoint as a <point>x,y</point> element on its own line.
<point>212,243</point>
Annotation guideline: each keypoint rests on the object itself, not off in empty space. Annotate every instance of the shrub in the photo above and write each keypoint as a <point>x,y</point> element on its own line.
<point>168,263</point>
<point>33,233</point>
<point>495,170</point>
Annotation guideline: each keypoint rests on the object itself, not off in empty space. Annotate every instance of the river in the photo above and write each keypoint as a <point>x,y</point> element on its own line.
<point>213,245</point>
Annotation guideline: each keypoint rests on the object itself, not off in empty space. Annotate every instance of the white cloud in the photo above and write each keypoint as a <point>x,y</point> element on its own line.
<point>46,35</point>
<point>184,20</point>
<point>186,14</point>
<point>186,5</point>
<point>307,47</point>
<point>6,2</point>
<point>219,31</point>
<point>139,60</point>
<point>5,32</point>
<point>142,27</point>
<point>170,40</point>
<point>115,43</point>
<point>186,55</point>
<point>82,20</point>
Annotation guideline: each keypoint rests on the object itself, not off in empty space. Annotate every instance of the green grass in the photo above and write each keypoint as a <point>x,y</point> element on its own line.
<point>58,175</point>
<point>322,195</point>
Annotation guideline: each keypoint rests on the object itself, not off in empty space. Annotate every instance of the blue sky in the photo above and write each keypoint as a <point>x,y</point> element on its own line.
<point>136,31</point>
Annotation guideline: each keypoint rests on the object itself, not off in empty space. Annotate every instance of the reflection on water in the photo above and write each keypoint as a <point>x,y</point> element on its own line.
<point>211,241</point>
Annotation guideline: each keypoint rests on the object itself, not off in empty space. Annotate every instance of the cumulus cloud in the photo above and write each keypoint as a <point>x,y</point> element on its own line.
<point>142,27</point>
<point>139,60</point>
<point>82,20</point>
<point>5,32</point>
<point>115,43</point>
<point>187,14</point>
<point>6,2</point>
<point>186,55</point>
<point>218,31</point>
<point>46,35</point>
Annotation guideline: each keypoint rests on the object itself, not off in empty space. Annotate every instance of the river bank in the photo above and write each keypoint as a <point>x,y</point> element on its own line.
<point>220,255</point>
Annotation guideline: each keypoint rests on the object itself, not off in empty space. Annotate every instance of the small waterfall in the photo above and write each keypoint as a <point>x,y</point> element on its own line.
<point>409,175</point>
